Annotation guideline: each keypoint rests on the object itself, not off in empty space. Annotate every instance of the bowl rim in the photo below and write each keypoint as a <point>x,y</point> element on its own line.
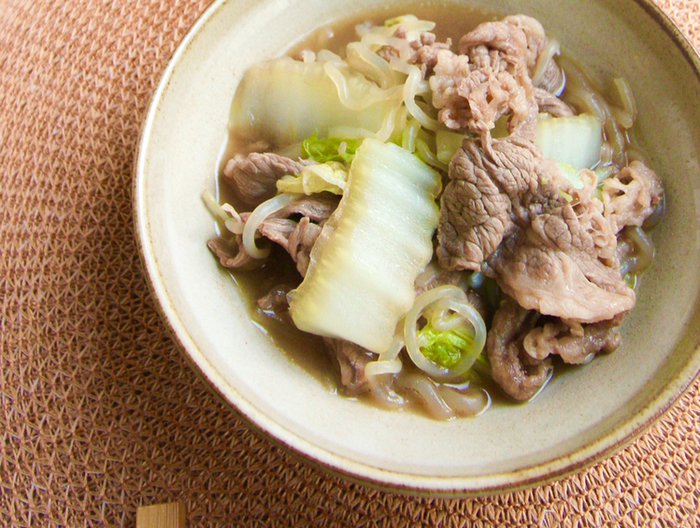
<point>453,486</point>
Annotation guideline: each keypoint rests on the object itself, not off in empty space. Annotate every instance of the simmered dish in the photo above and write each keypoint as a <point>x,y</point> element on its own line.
<point>460,216</point>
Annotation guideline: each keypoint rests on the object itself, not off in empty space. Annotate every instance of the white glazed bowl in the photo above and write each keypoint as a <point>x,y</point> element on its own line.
<point>582,416</point>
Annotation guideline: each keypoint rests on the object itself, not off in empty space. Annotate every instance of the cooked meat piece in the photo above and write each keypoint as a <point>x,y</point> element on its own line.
<point>317,207</point>
<point>488,192</point>
<point>519,374</point>
<point>631,196</point>
<point>275,303</point>
<point>575,343</point>
<point>534,34</point>
<point>231,254</point>
<point>550,103</point>
<point>301,242</point>
<point>475,99</point>
<point>351,360</point>
<point>504,206</point>
<point>389,52</point>
<point>426,51</point>
<point>488,80</point>
<point>296,238</point>
<point>500,83</point>
<point>492,78</point>
<point>253,177</point>
<point>552,77</point>
<point>474,216</point>
<point>589,211</point>
<point>423,51</point>
<point>552,267</point>
<point>508,41</point>
<point>278,230</point>
<point>447,85</point>
<point>435,275</point>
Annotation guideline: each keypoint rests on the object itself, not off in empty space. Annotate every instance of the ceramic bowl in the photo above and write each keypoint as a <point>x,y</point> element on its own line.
<point>584,414</point>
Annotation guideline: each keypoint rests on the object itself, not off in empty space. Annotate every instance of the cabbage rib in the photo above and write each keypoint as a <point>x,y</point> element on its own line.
<point>364,264</point>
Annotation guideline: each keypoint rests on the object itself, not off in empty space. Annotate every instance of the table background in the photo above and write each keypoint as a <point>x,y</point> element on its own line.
<point>99,413</point>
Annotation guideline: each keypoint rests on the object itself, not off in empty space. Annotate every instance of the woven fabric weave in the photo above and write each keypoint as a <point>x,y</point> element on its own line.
<point>99,412</point>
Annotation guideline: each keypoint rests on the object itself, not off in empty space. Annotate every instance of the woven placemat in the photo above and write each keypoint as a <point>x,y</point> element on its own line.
<point>99,412</point>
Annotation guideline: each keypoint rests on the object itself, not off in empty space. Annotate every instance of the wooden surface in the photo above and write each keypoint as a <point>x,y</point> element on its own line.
<point>171,515</point>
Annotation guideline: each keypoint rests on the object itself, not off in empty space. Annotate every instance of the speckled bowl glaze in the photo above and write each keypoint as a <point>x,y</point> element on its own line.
<point>584,414</point>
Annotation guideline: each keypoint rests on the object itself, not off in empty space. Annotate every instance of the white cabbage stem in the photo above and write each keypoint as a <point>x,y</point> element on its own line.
<point>256,218</point>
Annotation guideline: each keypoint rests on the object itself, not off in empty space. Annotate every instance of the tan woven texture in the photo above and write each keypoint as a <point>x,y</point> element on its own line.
<point>99,412</point>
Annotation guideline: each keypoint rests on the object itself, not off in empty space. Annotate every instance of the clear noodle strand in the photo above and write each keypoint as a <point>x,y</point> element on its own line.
<point>256,218</point>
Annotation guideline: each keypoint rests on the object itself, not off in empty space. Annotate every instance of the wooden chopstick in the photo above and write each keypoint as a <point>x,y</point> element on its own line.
<point>171,515</point>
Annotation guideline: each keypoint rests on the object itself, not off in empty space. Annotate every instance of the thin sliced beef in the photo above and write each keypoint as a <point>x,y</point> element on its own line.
<point>552,267</point>
<point>517,372</point>
<point>351,360</point>
<point>632,195</point>
<point>317,207</point>
<point>230,252</point>
<point>488,80</point>
<point>521,343</point>
<point>576,344</point>
<point>507,39</point>
<point>552,77</point>
<point>589,211</point>
<point>253,177</point>
<point>435,275</point>
<point>449,87</point>
<point>489,193</point>
<point>425,52</point>
<point>506,209</point>
<point>550,103</point>
<point>535,37</point>
<point>492,77</point>
<point>296,237</point>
